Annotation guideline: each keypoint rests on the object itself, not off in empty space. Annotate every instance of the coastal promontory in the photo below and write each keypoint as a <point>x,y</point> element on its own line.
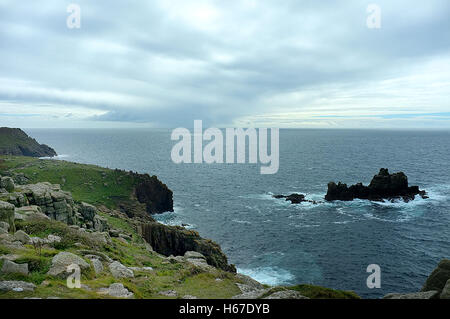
<point>14,141</point>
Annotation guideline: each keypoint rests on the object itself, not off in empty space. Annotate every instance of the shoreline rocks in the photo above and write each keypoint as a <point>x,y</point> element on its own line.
<point>384,186</point>
<point>445,294</point>
<point>439,277</point>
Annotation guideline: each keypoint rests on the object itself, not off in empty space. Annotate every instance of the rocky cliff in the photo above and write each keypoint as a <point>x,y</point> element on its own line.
<point>141,195</point>
<point>168,240</point>
<point>14,141</point>
<point>157,197</point>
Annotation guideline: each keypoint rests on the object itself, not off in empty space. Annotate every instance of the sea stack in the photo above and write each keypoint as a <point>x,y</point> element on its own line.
<point>383,186</point>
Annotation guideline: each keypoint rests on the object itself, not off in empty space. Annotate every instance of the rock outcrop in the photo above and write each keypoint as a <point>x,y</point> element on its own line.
<point>294,198</point>
<point>29,212</point>
<point>14,141</point>
<point>45,200</point>
<point>17,286</point>
<point>10,267</point>
<point>7,215</point>
<point>7,183</point>
<point>22,237</point>
<point>54,202</point>
<point>383,186</point>
<point>286,294</point>
<point>445,294</point>
<point>96,263</point>
<point>197,259</point>
<point>415,295</point>
<point>64,259</point>
<point>437,285</point>
<point>439,277</point>
<point>120,271</point>
<point>175,240</point>
<point>117,290</point>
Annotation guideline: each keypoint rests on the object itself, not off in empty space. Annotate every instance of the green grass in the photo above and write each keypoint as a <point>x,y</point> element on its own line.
<point>317,292</point>
<point>123,225</point>
<point>89,183</point>
<point>205,285</point>
<point>42,228</point>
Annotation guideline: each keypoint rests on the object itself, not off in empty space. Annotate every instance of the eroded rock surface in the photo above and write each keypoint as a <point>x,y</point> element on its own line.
<point>17,286</point>
<point>61,261</point>
<point>10,267</point>
<point>120,271</point>
<point>7,215</point>
<point>117,290</point>
<point>439,277</point>
<point>175,240</point>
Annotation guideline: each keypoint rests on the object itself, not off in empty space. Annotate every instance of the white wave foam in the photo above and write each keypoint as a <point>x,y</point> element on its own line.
<point>272,276</point>
<point>304,225</point>
<point>58,157</point>
<point>344,222</point>
<point>241,221</point>
<point>372,216</point>
<point>173,219</point>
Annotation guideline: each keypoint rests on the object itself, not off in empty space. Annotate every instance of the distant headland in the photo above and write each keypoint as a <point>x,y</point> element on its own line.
<point>14,141</point>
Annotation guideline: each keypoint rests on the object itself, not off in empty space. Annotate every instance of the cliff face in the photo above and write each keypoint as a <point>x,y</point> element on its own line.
<point>172,240</point>
<point>14,141</point>
<point>157,197</point>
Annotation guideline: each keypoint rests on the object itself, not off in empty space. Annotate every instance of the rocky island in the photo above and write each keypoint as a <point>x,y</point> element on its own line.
<point>294,198</point>
<point>384,186</point>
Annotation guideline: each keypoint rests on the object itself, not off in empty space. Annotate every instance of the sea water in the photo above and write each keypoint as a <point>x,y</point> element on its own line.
<point>277,243</point>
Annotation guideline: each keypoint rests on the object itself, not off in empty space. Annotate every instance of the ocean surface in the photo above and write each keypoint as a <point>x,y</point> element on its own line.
<point>329,244</point>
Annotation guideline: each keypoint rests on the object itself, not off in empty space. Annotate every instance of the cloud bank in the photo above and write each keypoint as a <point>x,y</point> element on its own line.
<point>229,63</point>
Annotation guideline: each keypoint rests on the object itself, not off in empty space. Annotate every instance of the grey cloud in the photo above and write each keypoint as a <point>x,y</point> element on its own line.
<point>167,72</point>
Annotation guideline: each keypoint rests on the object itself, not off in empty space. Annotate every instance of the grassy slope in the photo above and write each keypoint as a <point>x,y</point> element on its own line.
<point>86,182</point>
<point>181,277</point>
<point>89,183</point>
<point>15,141</point>
<point>11,138</point>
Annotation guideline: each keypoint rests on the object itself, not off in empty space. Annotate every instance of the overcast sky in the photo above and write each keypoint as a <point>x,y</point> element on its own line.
<point>290,63</point>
